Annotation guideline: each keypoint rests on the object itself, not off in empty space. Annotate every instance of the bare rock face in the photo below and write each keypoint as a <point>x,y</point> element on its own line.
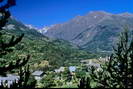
<point>96,31</point>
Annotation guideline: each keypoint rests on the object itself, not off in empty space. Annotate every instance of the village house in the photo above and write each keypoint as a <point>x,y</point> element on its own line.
<point>61,69</point>
<point>106,59</point>
<point>95,63</point>
<point>72,68</point>
<point>38,75</point>
<point>8,80</point>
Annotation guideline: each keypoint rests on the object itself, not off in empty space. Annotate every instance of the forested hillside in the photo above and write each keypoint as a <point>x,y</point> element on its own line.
<point>56,52</point>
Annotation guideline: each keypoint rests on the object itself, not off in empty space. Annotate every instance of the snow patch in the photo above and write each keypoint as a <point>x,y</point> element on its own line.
<point>43,30</point>
<point>30,26</point>
<point>11,26</point>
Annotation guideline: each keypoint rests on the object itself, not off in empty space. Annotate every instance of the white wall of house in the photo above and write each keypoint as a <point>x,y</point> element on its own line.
<point>38,78</point>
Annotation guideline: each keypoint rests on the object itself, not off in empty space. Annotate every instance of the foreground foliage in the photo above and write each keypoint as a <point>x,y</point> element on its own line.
<point>118,71</point>
<point>6,47</point>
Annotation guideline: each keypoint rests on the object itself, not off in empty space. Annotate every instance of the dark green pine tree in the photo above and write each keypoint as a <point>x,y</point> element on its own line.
<point>121,63</point>
<point>6,48</point>
<point>84,83</point>
<point>118,71</point>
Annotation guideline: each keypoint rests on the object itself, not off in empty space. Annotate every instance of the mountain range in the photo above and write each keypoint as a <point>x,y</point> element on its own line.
<point>72,41</point>
<point>96,31</point>
<point>41,48</point>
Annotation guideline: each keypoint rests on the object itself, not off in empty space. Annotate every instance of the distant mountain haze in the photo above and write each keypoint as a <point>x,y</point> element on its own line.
<point>96,31</point>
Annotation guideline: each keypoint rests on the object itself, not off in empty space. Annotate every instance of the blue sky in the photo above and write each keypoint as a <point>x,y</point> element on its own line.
<point>41,13</point>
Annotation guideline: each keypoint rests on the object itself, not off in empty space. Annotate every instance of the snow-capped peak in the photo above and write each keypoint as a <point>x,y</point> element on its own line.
<point>44,30</point>
<point>30,26</point>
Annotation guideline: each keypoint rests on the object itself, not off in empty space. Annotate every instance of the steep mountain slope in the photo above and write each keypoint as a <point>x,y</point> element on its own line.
<point>96,31</point>
<point>15,26</point>
<point>72,28</point>
<point>56,52</point>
